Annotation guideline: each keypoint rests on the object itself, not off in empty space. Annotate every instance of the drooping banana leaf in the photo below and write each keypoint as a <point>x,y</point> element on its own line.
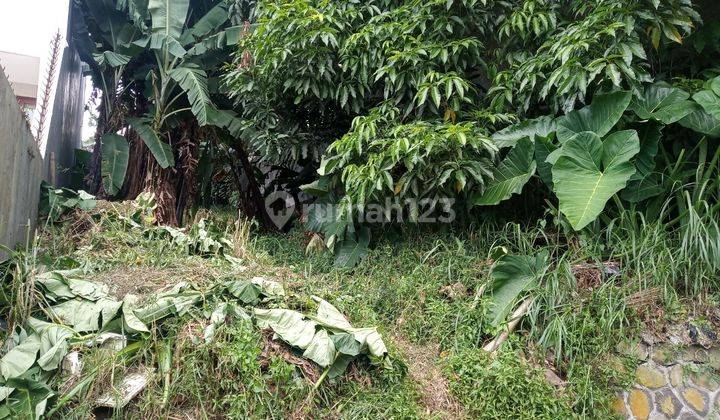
<point>161,151</point>
<point>511,175</point>
<point>115,157</point>
<point>193,80</point>
<point>590,171</point>
<point>212,20</point>
<point>112,59</point>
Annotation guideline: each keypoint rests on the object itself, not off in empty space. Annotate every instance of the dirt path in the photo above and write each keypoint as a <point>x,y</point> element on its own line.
<point>434,390</point>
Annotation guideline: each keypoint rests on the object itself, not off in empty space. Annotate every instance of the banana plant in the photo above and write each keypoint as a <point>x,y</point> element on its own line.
<point>157,64</point>
<point>177,76</point>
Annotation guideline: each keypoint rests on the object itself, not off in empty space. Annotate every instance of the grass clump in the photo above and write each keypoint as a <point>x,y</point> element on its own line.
<point>504,386</point>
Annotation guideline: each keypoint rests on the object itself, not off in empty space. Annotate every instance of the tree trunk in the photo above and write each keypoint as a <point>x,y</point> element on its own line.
<point>254,204</point>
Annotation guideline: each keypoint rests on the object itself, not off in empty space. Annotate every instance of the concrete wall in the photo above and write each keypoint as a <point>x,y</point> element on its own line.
<point>21,172</point>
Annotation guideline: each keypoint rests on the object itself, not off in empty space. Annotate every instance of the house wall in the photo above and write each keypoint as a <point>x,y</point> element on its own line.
<point>21,172</point>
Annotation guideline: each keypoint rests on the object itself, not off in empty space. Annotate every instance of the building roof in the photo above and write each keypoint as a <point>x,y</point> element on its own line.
<point>23,72</point>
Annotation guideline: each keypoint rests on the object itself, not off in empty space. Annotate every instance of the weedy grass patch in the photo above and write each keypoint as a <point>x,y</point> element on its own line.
<point>436,296</point>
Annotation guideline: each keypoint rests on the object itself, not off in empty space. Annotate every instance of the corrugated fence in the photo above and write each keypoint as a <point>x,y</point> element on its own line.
<point>21,172</point>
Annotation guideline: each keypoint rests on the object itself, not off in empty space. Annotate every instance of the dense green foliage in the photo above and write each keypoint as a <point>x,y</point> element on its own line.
<point>416,101</point>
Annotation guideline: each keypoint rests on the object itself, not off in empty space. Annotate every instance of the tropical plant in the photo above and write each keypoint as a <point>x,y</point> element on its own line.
<point>154,63</point>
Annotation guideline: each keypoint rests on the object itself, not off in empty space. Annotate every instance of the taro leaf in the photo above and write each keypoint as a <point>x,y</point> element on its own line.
<point>352,250</point>
<point>513,275</point>
<point>245,291</point>
<point>289,325</point>
<point>321,349</point>
<point>53,346</point>
<point>346,343</point>
<point>511,175</point>
<point>115,156</point>
<point>340,365</point>
<point>28,401</point>
<point>645,184</point>
<point>702,122</point>
<point>20,358</point>
<point>590,171</point>
<point>544,146</point>
<point>599,117</point>
<point>538,127</point>
<point>663,103</point>
<point>709,98</point>
<point>161,151</point>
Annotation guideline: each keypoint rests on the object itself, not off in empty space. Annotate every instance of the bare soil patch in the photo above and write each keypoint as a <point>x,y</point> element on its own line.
<point>434,390</point>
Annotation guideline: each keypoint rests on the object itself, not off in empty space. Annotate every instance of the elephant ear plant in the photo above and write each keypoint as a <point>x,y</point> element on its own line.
<point>586,159</point>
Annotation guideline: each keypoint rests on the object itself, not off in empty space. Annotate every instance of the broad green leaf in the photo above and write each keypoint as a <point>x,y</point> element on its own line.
<point>268,287</point>
<point>644,184</point>
<point>245,291</point>
<point>340,365</point>
<point>329,316</point>
<point>599,117</point>
<point>53,346</point>
<point>508,137</point>
<point>511,175</point>
<point>83,315</point>
<point>590,171</point>
<point>115,157</point>
<point>289,325</point>
<point>28,401</point>
<point>193,80</point>
<point>709,99</point>
<point>702,122</point>
<point>663,103</point>
<point>111,59</point>
<point>544,146</point>
<point>212,20</point>
<point>168,16</point>
<point>372,339</point>
<point>513,275</point>
<point>20,358</point>
<point>131,322</point>
<point>346,343</point>
<point>161,151</point>
<point>321,349</point>
<point>352,251</point>
<point>225,119</point>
